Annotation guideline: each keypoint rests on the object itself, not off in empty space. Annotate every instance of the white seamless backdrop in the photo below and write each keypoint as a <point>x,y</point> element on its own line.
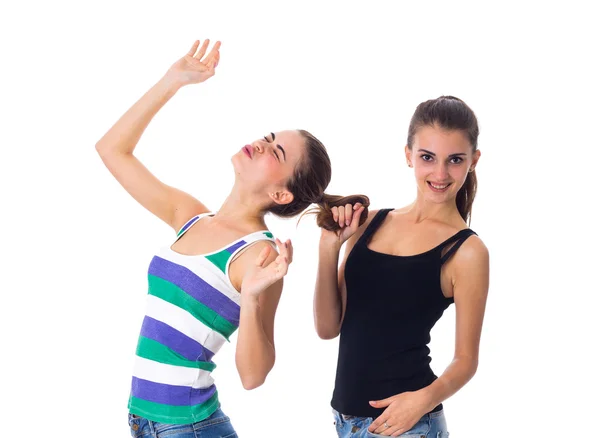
<point>76,247</point>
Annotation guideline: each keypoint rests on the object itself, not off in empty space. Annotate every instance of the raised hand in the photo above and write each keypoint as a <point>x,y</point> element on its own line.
<point>348,218</point>
<point>196,66</point>
<point>260,276</point>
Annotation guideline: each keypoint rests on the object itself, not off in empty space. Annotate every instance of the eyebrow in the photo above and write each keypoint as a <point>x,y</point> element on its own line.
<point>451,155</point>
<point>279,146</point>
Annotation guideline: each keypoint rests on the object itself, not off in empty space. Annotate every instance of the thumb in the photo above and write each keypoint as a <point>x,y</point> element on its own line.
<point>263,256</point>
<point>356,218</point>
<point>381,403</point>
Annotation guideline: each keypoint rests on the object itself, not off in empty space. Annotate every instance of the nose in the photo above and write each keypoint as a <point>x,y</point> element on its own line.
<point>260,148</point>
<point>441,172</point>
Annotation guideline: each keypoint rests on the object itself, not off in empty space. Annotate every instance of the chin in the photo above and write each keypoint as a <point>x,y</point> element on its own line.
<point>235,161</point>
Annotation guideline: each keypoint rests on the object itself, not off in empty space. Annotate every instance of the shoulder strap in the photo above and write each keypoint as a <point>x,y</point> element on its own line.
<point>223,258</point>
<point>374,225</point>
<point>191,222</point>
<point>240,246</point>
<point>455,242</point>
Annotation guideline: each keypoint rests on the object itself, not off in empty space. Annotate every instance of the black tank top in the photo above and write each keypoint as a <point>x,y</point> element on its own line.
<point>392,304</point>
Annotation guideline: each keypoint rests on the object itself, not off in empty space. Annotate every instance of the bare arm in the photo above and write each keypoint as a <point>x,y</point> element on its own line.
<point>471,281</point>
<point>470,278</point>
<point>329,303</point>
<point>261,291</point>
<point>116,147</point>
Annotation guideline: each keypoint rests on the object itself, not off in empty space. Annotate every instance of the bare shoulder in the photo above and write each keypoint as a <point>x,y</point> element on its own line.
<point>473,249</point>
<point>473,255</point>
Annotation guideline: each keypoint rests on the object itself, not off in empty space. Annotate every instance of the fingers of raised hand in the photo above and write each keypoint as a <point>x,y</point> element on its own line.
<point>341,214</point>
<point>356,214</point>
<point>285,249</point>
<point>194,48</point>
<point>348,214</point>
<point>197,51</point>
<point>213,56</point>
<point>280,265</point>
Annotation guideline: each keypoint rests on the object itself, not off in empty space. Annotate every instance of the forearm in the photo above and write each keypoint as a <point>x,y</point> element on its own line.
<point>125,134</point>
<point>327,300</point>
<point>458,373</point>
<point>254,355</point>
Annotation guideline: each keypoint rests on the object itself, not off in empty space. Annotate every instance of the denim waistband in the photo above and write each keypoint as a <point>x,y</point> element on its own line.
<point>429,415</point>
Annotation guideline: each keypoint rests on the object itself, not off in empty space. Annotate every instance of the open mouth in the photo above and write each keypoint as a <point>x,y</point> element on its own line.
<point>438,187</point>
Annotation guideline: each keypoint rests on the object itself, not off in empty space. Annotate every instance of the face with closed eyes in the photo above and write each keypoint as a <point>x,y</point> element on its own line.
<point>441,160</point>
<point>267,164</point>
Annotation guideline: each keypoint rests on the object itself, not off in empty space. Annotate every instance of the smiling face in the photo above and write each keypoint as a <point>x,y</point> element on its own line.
<point>441,159</point>
<point>266,165</point>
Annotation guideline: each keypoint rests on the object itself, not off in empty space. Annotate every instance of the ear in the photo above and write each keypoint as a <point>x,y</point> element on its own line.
<point>282,197</point>
<point>476,156</point>
<point>408,154</point>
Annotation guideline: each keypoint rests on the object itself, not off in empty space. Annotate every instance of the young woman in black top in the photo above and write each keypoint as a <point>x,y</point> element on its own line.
<point>400,271</point>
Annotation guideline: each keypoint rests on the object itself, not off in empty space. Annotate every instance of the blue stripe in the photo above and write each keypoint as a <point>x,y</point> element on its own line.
<point>187,225</point>
<point>196,287</point>
<point>175,340</point>
<point>235,246</point>
<point>170,394</point>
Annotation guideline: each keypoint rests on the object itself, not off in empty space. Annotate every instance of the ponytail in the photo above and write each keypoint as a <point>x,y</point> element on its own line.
<point>327,202</point>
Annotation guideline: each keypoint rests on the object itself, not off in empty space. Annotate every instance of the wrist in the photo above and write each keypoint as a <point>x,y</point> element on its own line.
<point>170,84</point>
<point>429,399</point>
<point>249,300</point>
<point>329,244</point>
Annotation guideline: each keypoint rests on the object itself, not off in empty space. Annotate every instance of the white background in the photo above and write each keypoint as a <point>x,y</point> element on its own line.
<point>75,246</point>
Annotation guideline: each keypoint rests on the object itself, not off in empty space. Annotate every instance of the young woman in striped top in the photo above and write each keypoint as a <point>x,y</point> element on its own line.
<point>398,275</point>
<point>220,273</point>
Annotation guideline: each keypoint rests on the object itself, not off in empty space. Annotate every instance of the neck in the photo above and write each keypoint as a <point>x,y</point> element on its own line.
<point>241,209</point>
<point>422,210</point>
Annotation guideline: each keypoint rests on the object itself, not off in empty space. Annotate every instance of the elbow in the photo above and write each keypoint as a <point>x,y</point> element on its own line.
<point>100,146</point>
<point>327,333</point>
<point>474,365</point>
<point>469,365</point>
<point>252,382</point>
<point>101,149</point>
<point>253,377</point>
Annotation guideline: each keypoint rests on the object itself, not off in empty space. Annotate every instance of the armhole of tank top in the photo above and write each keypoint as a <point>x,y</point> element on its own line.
<point>453,244</point>
<point>189,224</point>
<point>238,252</point>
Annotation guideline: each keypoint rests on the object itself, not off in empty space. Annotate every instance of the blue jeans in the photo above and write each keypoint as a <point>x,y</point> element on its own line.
<point>215,426</point>
<point>429,426</point>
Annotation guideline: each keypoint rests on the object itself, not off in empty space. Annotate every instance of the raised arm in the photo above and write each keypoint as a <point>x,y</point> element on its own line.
<point>116,146</point>
<point>330,289</point>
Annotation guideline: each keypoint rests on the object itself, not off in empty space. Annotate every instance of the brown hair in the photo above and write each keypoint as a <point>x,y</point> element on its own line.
<point>311,178</point>
<point>452,114</point>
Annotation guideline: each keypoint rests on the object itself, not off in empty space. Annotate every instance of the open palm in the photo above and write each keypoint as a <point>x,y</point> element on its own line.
<point>261,275</point>
<point>196,66</point>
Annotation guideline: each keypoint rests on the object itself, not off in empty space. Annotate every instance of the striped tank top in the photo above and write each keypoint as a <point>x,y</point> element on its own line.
<point>192,309</point>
